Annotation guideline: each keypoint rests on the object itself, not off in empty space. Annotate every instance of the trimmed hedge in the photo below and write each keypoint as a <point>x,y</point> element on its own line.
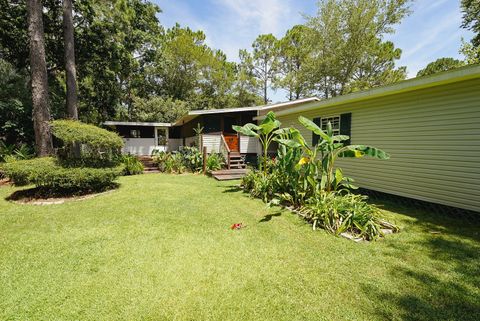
<point>73,132</point>
<point>47,174</point>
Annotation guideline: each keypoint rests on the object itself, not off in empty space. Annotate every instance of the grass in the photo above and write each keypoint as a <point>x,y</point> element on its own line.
<point>160,248</point>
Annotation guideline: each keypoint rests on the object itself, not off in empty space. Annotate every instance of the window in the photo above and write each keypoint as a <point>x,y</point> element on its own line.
<point>161,136</point>
<point>335,121</point>
<point>134,133</point>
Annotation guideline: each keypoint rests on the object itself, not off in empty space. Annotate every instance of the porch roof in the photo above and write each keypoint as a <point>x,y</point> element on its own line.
<point>135,123</point>
<point>194,113</point>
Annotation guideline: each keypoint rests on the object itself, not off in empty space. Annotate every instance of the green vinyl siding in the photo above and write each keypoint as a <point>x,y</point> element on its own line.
<point>433,136</point>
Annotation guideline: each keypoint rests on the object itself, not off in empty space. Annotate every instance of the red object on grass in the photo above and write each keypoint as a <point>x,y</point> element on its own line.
<point>237,226</point>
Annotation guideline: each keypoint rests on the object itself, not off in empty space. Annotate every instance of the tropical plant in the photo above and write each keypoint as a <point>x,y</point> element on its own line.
<point>198,133</point>
<point>170,162</point>
<point>340,213</point>
<point>12,152</point>
<point>192,158</point>
<point>319,160</point>
<point>215,162</point>
<point>265,132</point>
<point>132,165</point>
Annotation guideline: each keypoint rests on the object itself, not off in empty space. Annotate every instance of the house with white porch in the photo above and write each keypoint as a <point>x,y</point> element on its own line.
<point>142,138</point>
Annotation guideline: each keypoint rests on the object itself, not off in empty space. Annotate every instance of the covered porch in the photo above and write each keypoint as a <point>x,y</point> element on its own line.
<point>143,138</point>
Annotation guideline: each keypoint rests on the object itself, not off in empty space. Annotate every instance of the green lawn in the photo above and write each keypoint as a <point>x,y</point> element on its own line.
<point>160,248</point>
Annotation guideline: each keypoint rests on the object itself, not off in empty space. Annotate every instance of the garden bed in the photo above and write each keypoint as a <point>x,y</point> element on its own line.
<point>38,196</point>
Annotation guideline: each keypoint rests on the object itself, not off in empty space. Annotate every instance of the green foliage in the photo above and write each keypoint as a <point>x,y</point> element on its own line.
<point>169,162</point>
<point>86,145</point>
<point>294,51</point>
<point>265,132</point>
<point>347,52</point>
<point>16,125</point>
<point>263,62</point>
<point>72,132</point>
<point>215,162</point>
<point>156,109</point>
<point>338,213</point>
<point>13,152</point>
<point>303,174</point>
<point>191,158</point>
<point>47,174</point>
<point>471,19</point>
<point>132,165</point>
<point>319,161</point>
<point>470,52</point>
<point>439,65</point>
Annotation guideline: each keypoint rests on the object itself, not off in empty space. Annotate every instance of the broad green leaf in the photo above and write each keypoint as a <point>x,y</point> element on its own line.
<point>314,128</point>
<point>340,138</point>
<point>269,123</point>
<point>289,143</point>
<point>245,130</point>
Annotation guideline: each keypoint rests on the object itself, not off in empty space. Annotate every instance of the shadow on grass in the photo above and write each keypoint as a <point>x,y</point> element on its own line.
<point>232,189</point>
<point>42,195</point>
<point>269,217</point>
<point>444,283</point>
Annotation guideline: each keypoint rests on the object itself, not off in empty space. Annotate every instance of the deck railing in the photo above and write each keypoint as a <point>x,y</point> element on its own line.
<point>225,150</point>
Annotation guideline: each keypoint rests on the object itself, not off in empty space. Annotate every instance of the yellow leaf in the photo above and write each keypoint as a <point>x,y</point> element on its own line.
<point>359,153</point>
<point>303,160</point>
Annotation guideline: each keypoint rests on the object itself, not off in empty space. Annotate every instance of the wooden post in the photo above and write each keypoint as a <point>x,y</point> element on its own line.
<point>228,160</point>
<point>204,160</point>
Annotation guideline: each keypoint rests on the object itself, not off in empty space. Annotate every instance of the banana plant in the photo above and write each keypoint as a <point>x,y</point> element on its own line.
<point>319,160</point>
<point>266,131</point>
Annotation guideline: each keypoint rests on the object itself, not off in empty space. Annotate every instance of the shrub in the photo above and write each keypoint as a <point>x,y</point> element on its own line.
<point>169,162</point>
<point>132,165</point>
<point>215,162</point>
<point>47,174</point>
<point>338,213</point>
<point>86,145</point>
<point>192,158</point>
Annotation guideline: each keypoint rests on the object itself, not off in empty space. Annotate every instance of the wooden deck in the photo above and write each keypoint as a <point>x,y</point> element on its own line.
<point>229,174</point>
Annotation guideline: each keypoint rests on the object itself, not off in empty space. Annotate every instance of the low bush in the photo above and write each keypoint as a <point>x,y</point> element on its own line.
<point>215,162</point>
<point>192,158</point>
<point>169,162</point>
<point>46,173</point>
<point>132,165</point>
<point>187,159</point>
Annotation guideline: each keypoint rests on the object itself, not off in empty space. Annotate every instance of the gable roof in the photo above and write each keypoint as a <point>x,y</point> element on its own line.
<point>447,77</point>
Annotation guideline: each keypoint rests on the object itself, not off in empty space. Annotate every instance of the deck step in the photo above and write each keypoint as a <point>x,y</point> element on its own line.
<point>228,174</point>
<point>149,166</point>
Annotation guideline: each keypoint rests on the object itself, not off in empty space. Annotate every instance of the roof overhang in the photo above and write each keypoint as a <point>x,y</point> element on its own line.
<point>452,76</point>
<point>129,123</point>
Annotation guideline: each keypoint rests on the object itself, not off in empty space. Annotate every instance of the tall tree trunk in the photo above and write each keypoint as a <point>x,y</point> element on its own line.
<point>70,68</point>
<point>38,67</point>
<point>265,92</point>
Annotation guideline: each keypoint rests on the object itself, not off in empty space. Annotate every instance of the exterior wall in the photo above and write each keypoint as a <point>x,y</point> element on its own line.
<point>212,142</point>
<point>248,145</point>
<point>174,144</point>
<point>432,135</point>
<point>191,141</point>
<point>139,146</point>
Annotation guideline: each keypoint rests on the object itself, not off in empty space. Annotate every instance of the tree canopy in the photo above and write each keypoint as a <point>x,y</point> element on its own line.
<point>441,64</point>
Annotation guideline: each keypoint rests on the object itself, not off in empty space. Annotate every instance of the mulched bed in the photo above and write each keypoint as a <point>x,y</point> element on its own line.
<point>37,196</point>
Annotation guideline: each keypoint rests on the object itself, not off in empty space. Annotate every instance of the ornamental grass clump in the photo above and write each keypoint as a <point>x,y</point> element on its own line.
<point>346,213</point>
